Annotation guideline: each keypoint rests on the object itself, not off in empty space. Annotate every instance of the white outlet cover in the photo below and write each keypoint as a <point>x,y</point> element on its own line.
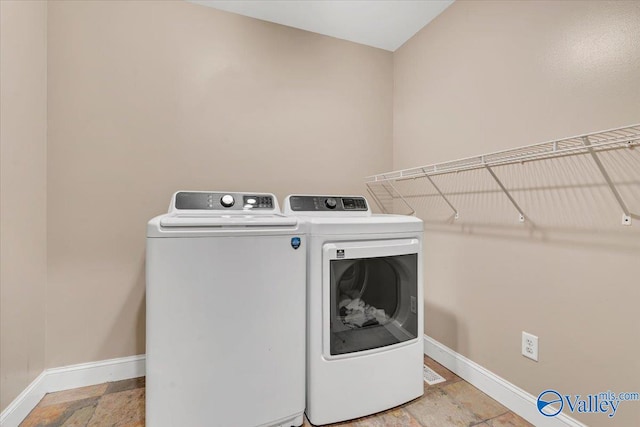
<point>530,346</point>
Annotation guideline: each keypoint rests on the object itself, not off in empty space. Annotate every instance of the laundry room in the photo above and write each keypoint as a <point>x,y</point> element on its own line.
<point>500,138</point>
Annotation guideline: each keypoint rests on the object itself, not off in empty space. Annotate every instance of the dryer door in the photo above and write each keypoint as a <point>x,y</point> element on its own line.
<point>370,295</point>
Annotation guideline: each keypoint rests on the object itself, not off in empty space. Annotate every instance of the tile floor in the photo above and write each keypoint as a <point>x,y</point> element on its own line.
<point>121,404</point>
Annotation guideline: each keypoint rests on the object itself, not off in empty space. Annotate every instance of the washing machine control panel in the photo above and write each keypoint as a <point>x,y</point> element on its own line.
<point>202,200</point>
<point>327,203</point>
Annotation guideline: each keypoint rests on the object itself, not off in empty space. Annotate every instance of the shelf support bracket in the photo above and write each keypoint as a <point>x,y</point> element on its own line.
<point>455,211</point>
<point>402,198</point>
<point>626,214</point>
<point>375,199</point>
<point>506,192</point>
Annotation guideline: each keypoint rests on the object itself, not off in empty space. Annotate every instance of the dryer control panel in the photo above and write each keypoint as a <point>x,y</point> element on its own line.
<point>327,203</point>
<point>221,201</point>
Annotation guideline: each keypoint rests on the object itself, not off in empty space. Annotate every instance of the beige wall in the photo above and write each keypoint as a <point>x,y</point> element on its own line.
<point>485,76</point>
<point>23,195</point>
<point>146,98</point>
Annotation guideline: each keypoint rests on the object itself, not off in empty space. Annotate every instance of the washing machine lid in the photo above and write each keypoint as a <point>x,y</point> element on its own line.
<point>259,220</point>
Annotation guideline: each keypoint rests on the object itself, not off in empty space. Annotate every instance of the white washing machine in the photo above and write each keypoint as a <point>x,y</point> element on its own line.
<point>364,307</point>
<point>225,313</point>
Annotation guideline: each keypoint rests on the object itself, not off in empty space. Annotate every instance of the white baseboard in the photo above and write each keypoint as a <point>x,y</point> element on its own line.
<point>511,396</point>
<point>67,377</point>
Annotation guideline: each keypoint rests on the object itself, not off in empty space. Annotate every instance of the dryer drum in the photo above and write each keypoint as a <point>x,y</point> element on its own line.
<point>371,302</point>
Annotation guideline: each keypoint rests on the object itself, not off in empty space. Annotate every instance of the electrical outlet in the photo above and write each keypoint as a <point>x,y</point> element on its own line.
<point>530,346</point>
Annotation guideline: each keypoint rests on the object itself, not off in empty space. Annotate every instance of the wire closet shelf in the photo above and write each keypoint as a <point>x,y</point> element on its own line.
<point>591,144</point>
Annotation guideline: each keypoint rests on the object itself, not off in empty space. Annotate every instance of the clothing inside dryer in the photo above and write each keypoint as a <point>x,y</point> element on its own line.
<point>373,302</point>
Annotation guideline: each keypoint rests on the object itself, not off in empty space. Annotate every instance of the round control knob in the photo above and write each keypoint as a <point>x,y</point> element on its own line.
<point>227,201</point>
<point>330,203</point>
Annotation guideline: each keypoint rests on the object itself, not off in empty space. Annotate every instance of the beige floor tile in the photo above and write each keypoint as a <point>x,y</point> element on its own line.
<point>80,418</point>
<point>123,385</point>
<point>509,419</point>
<point>121,404</point>
<point>120,409</point>
<point>393,418</point>
<point>438,409</point>
<point>44,415</point>
<point>474,400</point>
<point>73,394</point>
<point>56,415</point>
<point>350,423</point>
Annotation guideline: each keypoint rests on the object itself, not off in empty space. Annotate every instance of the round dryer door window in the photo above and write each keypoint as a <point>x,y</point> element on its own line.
<point>373,302</point>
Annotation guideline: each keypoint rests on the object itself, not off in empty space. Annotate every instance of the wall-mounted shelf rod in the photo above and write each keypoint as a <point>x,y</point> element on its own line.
<point>624,137</point>
<point>591,144</point>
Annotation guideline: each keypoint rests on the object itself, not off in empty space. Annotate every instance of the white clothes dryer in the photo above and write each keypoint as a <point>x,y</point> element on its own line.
<point>364,307</point>
<point>225,313</point>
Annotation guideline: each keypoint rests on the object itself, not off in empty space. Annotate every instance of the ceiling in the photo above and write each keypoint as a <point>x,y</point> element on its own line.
<point>385,24</point>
